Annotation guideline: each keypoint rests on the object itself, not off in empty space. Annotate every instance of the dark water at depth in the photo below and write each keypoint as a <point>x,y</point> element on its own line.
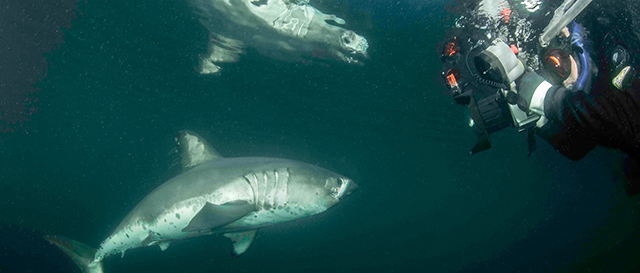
<point>123,83</point>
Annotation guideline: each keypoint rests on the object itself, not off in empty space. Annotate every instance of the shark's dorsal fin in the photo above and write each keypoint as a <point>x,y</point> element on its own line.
<point>241,240</point>
<point>194,150</point>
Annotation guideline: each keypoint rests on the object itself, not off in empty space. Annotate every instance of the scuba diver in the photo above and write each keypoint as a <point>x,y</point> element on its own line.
<point>553,82</point>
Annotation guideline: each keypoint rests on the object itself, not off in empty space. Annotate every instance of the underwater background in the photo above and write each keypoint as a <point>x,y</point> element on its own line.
<point>116,80</point>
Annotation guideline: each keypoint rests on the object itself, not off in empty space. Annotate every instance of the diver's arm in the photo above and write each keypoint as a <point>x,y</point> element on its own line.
<point>609,118</point>
<point>564,130</point>
<point>553,101</point>
<point>560,102</point>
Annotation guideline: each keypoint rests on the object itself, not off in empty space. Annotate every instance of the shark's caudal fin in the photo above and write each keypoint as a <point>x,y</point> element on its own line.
<point>80,253</point>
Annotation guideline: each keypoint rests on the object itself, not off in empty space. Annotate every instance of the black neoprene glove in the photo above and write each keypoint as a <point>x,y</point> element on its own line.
<point>532,89</point>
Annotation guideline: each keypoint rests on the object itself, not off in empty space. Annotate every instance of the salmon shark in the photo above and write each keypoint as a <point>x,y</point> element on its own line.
<point>232,196</point>
<point>288,30</point>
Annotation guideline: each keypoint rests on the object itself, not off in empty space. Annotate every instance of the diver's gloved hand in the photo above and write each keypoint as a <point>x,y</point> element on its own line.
<point>532,89</point>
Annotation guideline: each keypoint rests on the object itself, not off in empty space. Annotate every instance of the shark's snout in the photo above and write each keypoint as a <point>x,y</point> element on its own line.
<point>351,187</point>
<point>347,186</point>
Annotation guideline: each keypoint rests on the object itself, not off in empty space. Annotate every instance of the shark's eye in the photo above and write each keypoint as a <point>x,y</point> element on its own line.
<point>348,37</point>
<point>339,181</point>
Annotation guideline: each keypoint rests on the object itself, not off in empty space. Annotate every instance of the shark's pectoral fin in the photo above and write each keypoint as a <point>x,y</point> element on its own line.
<point>241,240</point>
<point>212,216</point>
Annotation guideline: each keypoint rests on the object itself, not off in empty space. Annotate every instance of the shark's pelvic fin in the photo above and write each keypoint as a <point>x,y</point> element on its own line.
<point>164,245</point>
<point>80,253</point>
<point>241,240</point>
<point>212,216</point>
<point>194,150</point>
<point>148,241</point>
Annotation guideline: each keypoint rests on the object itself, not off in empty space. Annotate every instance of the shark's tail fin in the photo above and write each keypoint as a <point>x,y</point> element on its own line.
<point>80,253</point>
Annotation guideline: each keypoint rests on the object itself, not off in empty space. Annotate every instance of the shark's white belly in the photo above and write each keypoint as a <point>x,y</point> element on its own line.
<point>277,215</point>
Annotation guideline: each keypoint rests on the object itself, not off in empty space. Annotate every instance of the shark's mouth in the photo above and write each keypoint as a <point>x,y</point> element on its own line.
<point>344,189</point>
<point>354,43</point>
<point>354,46</point>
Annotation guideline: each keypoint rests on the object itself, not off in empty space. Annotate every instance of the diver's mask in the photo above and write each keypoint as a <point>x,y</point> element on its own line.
<point>557,65</point>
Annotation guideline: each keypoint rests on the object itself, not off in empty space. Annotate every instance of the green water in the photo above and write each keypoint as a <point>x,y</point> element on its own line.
<point>123,83</point>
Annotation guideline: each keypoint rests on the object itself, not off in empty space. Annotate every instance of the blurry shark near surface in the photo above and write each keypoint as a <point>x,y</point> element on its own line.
<point>280,29</point>
<point>233,196</point>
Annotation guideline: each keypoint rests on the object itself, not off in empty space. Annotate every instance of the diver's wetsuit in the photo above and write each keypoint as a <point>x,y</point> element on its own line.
<point>606,117</point>
<point>609,118</point>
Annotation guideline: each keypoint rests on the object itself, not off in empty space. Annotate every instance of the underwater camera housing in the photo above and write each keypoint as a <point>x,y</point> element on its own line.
<point>480,74</point>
